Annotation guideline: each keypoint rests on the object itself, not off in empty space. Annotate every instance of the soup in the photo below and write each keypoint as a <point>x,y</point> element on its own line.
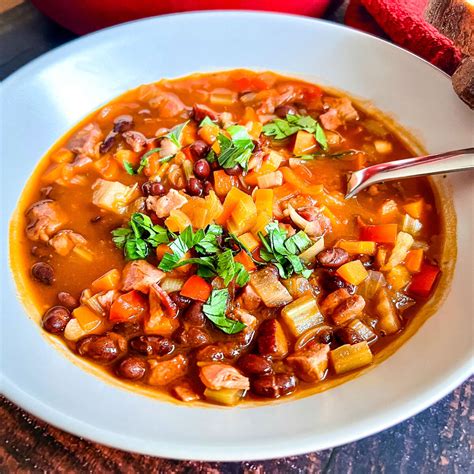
<point>192,237</point>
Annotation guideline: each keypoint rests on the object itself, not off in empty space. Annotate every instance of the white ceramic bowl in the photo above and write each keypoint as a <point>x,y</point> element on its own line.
<point>44,99</point>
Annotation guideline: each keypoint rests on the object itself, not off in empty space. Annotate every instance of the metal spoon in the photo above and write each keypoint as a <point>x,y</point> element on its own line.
<point>441,163</point>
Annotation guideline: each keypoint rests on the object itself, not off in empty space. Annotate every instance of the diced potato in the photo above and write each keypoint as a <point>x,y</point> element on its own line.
<point>271,162</point>
<point>178,221</point>
<point>353,272</point>
<point>113,196</point>
<point>358,246</point>
<point>389,322</point>
<point>270,180</point>
<point>350,357</point>
<point>73,330</point>
<point>302,314</point>
<point>243,217</point>
<point>262,220</point>
<point>224,396</point>
<point>398,277</point>
<point>382,146</point>
<point>305,143</point>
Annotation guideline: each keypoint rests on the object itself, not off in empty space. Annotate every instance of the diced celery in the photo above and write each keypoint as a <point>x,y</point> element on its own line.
<point>362,330</point>
<point>224,396</point>
<point>389,322</point>
<point>411,225</point>
<point>310,253</point>
<point>301,315</point>
<point>350,357</point>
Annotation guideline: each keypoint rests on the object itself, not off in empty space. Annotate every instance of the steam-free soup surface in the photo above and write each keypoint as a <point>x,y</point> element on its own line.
<point>192,236</point>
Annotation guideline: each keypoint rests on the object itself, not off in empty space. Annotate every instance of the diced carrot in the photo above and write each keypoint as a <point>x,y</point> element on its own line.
<point>249,115</point>
<point>305,143</point>
<point>262,220</point>
<point>264,200</point>
<point>63,155</point>
<point>177,221</point>
<point>244,258</point>
<point>413,260</point>
<point>358,162</point>
<point>53,173</point>
<point>415,208</point>
<point>223,183</point>
<point>286,191</point>
<point>422,283</point>
<point>88,319</point>
<point>353,272</point>
<point>108,281</point>
<point>385,233</point>
<point>249,241</point>
<point>358,246</point>
<point>246,208</point>
<point>127,155</point>
<point>161,250</point>
<point>243,216</point>
<point>131,305</point>
<point>107,168</point>
<point>196,288</point>
<point>216,148</point>
<point>189,134</point>
<point>209,133</point>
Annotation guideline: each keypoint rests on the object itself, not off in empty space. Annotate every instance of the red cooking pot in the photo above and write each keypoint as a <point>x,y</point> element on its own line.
<point>84,16</point>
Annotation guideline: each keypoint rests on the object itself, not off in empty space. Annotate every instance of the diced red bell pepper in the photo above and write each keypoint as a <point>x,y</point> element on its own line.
<point>196,288</point>
<point>384,234</point>
<point>131,305</point>
<point>423,282</point>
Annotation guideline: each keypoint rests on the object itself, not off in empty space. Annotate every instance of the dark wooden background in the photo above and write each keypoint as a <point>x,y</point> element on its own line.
<point>437,440</point>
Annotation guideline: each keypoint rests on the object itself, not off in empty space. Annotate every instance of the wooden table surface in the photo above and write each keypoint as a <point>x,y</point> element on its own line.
<point>437,440</point>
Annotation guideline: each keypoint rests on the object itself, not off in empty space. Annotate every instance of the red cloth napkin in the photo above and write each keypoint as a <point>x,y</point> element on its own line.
<point>403,22</point>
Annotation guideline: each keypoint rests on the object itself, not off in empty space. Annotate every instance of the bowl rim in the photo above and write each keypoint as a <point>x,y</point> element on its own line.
<point>392,416</point>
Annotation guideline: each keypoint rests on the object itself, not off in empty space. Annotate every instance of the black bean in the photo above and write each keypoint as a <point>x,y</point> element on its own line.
<point>56,319</point>
<point>194,314</point>
<point>273,386</point>
<point>199,149</point>
<point>192,337</point>
<point>201,111</point>
<point>207,187</point>
<point>131,368</point>
<point>195,187</point>
<point>252,364</point>
<point>330,282</point>
<point>201,169</point>
<point>94,220</point>
<point>347,335</point>
<point>101,349</point>
<point>153,188</point>
<point>67,300</point>
<point>182,302</point>
<point>152,345</point>
<point>43,272</point>
<point>123,123</point>
<point>108,142</point>
<point>283,110</point>
<point>332,257</point>
<point>234,171</point>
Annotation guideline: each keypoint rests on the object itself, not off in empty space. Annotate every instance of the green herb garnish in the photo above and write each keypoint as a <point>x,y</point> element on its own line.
<point>235,150</point>
<point>338,154</point>
<point>129,168</point>
<point>137,238</point>
<point>282,251</point>
<point>206,121</point>
<point>215,308</point>
<point>283,128</point>
<point>175,134</point>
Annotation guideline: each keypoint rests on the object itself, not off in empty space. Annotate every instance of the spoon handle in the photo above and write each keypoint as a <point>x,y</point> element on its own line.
<point>448,162</point>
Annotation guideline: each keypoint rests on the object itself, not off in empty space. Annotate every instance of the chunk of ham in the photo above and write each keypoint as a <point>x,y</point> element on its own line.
<point>85,140</point>
<point>65,240</point>
<point>106,298</point>
<point>167,103</point>
<point>113,196</point>
<point>340,111</point>
<point>140,275</point>
<point>162,206</point>
<point>311,220</point>
<point>249,298</point>
<point>217,376</point>
<point>310,363</point>
<point>167,148</point>
<point>45,218</point>
<point>342,306</point>
<point>165,372</point>
<point>201,111</point>
<point>136,140</point>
